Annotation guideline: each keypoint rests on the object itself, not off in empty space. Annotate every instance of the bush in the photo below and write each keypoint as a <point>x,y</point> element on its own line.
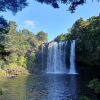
<point>11,66</point>
<point>12,58</point>
<point>22,61</point>
<point>95,85</point>
<point>2,64</point>
<point>2,73</point>
<point>31,60</point>
<point>84,98</point>
<point>2,91</point>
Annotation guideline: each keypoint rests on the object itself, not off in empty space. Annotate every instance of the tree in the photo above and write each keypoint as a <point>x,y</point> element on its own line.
<point>3,25</point>
<point>10,41</point>
<point>55,3</point>
<point>12,5</point>
<point>12,28</point>
<point>87,36</point>
<point>18,5</point>
<point>3,31</point>
<point>42,36</point>
<point>60,37</point>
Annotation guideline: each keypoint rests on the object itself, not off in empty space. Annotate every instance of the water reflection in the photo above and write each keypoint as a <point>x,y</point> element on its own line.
<point>15,89</point>
<point>41,87</point>
<point>62,87</point>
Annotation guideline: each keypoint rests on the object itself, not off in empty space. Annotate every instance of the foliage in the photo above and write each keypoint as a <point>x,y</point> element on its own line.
<point>84,98</point>
<point>17,48</point>
<point>60,37</point>
<point>31,60</point>
<point>2,63</point>
<point>55,3</point>
<point>18,5</point>
<point>87,36</point>
<point>2,91</point>
<point>12,58</point>
<point>12,5</point>
<point>95,85</point>
<point>42,36</point>
<point>88,41</point>
<point>3,25</point>
<point>22,61</point>
<point>2,73</point>
<point>11,66</point>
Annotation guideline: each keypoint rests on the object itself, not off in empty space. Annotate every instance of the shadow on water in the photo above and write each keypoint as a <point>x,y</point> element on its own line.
<point>44,87</point>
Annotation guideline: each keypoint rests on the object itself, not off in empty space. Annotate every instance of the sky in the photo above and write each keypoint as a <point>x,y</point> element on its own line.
<point>41,17</point>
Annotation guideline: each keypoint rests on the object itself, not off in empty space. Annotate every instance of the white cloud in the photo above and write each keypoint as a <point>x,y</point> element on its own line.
<point>29,23</point>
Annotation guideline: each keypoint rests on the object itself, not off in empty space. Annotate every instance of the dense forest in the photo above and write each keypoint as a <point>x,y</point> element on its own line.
<point>18,48</point>
<point>87,36</point>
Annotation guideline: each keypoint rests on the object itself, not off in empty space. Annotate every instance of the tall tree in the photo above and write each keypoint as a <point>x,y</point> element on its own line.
<point>42,36</point>
<point>3,25</point>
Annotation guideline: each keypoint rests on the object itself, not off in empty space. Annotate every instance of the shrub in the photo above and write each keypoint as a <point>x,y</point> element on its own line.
<point>95,85</point>
<point>22,61</point>
<point>84,98</point>
<point>31,60</point>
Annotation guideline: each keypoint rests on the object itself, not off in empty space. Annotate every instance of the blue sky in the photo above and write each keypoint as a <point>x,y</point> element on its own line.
<point>41,17</point>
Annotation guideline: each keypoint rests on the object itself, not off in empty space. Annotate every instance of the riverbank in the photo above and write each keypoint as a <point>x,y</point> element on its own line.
<point>13,72</point>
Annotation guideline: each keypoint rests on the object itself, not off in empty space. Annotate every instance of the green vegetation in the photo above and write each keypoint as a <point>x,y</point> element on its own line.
<point>94,85</point>
<point>84,98</point>
<point>71,3</point>
<point>18,5</point>
<point>87,36</point>
<point>42,36</point>
<point>2,91</point>
<point>18,48</point>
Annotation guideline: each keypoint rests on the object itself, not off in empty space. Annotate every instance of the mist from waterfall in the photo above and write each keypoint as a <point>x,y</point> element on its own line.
<point>72,58</point>
<point>56,58</point>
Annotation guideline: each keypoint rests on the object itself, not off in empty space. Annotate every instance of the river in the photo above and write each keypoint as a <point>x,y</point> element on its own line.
<point>45,87</point>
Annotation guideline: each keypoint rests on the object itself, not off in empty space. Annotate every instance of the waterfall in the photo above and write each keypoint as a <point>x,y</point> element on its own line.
<point>56,57</point>
<point>42,54</point>
<point>72,58</point>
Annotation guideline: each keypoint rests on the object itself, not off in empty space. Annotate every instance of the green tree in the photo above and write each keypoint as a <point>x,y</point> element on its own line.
<point>60,37</point>
<point>3,26</point>
<point>42,36</point>
<point>87,36</point>
<point>10,41</point>
<point>72,3</point>
<point>12,5</point>
<point>18,5</point>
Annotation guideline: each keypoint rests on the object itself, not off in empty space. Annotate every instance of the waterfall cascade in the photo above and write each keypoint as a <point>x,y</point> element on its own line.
<point>56,57</point>
<point>42,47</point>
<point>72,58</point>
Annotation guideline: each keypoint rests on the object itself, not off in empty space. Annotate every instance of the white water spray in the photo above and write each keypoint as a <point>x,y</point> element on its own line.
<point>56,58</point>
<point>72,58</point>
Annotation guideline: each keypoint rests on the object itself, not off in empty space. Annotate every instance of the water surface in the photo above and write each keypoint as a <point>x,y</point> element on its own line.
<point>44,87</point>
